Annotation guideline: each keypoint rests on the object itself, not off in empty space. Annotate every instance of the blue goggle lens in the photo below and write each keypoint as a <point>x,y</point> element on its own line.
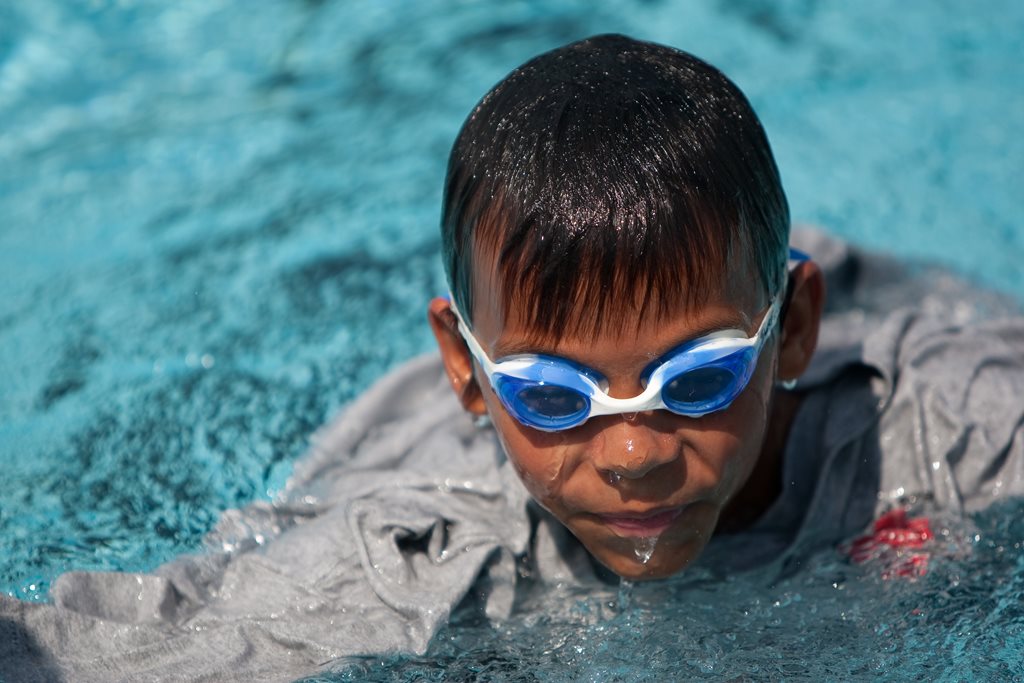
<point>697,387</point>
<point>554,402</point>
<point>545,406</point>
<point>708,388</point>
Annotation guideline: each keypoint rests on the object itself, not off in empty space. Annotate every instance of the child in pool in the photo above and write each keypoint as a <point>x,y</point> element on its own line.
<point>625,311</point>
<point>616,238</point>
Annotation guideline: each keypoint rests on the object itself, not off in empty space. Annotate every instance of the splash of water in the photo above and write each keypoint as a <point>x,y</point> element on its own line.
<point>625,595</point>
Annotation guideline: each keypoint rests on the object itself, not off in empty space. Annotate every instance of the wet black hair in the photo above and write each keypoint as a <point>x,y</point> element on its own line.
<point>611,175</point>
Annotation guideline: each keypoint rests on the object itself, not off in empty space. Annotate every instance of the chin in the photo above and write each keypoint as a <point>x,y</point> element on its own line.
<point>662,563</point>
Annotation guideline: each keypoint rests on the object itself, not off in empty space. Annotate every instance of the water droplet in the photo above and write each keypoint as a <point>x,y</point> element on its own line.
<point>644,548</point>
<point>613,477</point>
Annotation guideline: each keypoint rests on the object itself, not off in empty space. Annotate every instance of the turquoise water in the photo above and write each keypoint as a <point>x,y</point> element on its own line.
<point>219,225</point>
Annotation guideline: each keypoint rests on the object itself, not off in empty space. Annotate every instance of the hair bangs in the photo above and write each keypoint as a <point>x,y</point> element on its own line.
<point>605,268</point>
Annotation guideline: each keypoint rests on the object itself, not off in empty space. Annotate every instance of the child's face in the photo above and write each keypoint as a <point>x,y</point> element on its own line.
<point>624,484</point>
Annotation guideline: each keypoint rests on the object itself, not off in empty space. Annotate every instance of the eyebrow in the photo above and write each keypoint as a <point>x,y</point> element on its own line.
<point>543,347</point>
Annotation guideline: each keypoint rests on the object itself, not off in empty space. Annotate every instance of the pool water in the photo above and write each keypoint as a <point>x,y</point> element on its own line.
<point>831,621</point>
<point>220,225</point>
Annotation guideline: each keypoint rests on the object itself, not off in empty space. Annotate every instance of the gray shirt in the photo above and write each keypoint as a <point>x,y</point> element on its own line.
<point>404,506</point>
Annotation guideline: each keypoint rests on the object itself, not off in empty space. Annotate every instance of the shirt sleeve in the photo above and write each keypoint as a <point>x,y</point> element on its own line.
<point>953,428</point>
<point>401,509</point>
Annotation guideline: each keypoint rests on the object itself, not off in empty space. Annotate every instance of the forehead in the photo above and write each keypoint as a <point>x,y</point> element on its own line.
<point>630,317</point>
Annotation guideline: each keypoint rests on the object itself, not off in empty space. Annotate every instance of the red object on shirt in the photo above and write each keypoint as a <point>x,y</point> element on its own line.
<point>894,530</point>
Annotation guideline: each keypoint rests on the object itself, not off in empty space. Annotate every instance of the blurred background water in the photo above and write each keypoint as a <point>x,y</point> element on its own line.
<point>219,218</point>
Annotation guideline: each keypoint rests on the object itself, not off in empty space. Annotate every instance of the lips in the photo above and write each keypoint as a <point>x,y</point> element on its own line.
<point>642,524</point>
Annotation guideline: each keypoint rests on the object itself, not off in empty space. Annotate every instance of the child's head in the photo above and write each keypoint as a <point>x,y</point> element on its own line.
<point>605,204</point>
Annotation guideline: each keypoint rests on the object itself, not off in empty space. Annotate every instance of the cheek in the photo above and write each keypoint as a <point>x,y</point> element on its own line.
<point>744,428</point>
<point>543,460</point>
<point>728,444</point>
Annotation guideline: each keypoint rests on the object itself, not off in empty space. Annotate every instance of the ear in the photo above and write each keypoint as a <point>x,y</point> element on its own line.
<point>803,319</point>
<point>458,363</point>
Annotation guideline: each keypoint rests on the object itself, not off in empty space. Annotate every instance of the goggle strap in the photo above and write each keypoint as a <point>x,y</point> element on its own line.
<point>471,341</point>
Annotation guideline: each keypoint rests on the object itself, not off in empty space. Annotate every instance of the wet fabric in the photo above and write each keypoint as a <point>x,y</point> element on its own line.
<point>404,507</point>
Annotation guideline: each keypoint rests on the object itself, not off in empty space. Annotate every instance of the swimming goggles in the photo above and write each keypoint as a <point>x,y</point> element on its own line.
<point>698,377</point>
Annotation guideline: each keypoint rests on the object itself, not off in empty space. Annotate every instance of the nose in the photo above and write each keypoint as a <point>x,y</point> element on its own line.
<point>631,449</point>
